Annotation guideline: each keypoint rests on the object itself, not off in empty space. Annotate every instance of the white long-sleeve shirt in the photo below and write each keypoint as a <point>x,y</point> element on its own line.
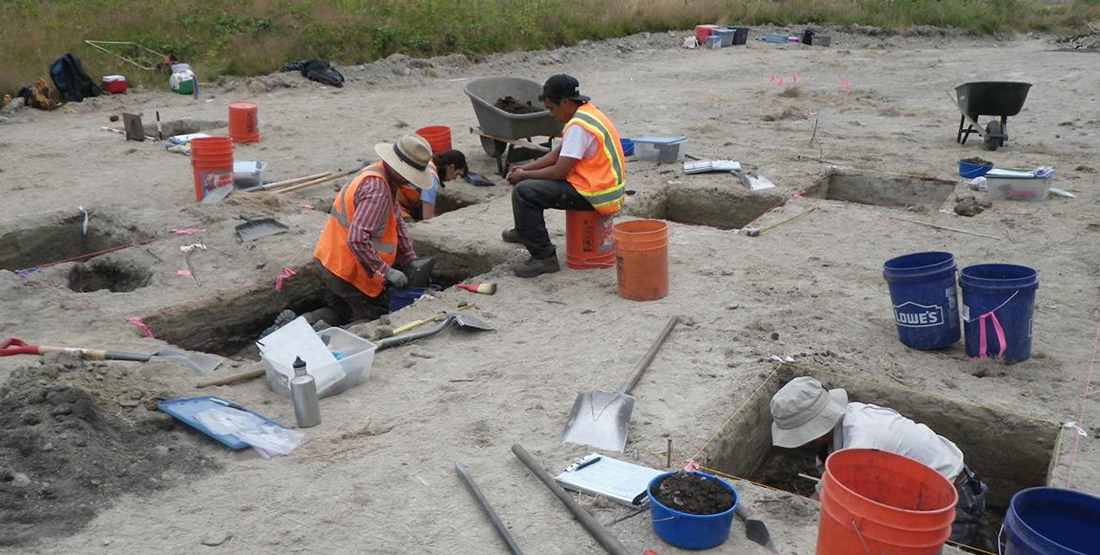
<point>872,427</point>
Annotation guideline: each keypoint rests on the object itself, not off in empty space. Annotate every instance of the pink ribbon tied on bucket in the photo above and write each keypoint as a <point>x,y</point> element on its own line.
<point>983,346</point>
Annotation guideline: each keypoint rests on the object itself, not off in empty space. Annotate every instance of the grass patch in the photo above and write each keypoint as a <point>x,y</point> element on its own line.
<point>249,37</point>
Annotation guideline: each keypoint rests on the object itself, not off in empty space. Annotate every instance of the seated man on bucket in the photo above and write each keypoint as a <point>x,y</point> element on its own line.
<point>585,172</point>
<point>805,413</point>
<point>365,237</point>
<point>419,204</point>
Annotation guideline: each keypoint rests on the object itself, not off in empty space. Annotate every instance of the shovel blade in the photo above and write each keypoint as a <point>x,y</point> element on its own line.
<point>201,363</point>
<point>471,321</point>
<point>600,420</point>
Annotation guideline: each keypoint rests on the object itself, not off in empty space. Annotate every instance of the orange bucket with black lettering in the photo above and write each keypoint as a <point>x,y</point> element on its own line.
<point>588,241</point>
<point>641,259</point>
<point>244,126</point>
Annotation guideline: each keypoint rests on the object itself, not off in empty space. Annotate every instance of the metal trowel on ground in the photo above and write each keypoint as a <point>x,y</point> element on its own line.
<point>255,228</point>
<point>602,420</point>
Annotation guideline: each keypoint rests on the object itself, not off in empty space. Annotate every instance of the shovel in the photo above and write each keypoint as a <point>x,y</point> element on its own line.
<point>463,321</point>
<point>201,363</point>
<point>602,420</point>
<point>255,228</point>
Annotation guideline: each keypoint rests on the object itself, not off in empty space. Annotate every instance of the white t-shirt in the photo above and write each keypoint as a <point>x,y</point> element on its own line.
<point>578,144</point>
<point>872,427</point>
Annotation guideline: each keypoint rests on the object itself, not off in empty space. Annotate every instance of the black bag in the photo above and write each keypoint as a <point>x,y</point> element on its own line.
<point>317,70</point>
<point>71,81</point>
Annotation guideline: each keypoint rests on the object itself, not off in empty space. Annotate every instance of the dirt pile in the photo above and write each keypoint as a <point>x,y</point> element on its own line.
<point>513,106</point>
<point>64,455</point>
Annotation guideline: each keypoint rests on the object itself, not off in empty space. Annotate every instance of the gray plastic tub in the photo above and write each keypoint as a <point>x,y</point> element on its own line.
<point>486,91</point>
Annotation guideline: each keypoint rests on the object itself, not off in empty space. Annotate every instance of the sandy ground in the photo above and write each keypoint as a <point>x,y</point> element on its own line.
<point>376,476</point>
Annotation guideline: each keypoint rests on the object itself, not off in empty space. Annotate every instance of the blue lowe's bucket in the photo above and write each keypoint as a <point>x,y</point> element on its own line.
<point>922,290</point>
<point>690,531</point>
<point>998,308</point>
<point>1052,521</point>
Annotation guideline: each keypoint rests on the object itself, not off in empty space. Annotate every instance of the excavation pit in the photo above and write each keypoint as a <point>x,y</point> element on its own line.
<point>891,191</point>
<point>111,275</point>
<point>721,207</point>
<point>1009,451</point>
<point>62,240</point>
<point>449,203</point>
<point>230,324</point>
<point>184,126</point>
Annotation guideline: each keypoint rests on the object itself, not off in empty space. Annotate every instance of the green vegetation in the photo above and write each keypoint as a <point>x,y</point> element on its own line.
<point>249,37</point>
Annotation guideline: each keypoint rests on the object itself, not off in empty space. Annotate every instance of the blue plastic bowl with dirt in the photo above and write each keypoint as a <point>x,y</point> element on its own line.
<point>970,168</point>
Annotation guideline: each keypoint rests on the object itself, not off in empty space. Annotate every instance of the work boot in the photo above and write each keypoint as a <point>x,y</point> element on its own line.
<point>511,236</point>
<point>285,317</point>
<point>537,266</point>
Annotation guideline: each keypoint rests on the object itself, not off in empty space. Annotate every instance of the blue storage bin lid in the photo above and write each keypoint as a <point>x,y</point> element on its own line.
<point>660,140</point>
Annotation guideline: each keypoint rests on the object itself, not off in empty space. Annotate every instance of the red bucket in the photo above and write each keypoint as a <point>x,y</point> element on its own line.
<point>243,123</point>
<point>438,136</point>
<point>211,164</point>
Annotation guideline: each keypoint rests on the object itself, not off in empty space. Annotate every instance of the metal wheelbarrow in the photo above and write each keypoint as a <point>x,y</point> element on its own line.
<point>506,136</point>
<point>988,98</point>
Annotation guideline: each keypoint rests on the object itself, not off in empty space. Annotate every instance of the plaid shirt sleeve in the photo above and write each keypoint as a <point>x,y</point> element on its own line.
<point>371,210</point>
<point>373,203</point>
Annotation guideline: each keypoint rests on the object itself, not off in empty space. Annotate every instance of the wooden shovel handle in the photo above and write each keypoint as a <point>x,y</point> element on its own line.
<point>648,358</point>
<point>232,378</point>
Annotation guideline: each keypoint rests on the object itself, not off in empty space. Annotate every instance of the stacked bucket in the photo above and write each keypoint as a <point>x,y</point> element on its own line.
<point>211,165</point>
<point>998,304</point>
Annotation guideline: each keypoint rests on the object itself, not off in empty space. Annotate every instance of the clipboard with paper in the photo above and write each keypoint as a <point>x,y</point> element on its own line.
<point>619,481</point>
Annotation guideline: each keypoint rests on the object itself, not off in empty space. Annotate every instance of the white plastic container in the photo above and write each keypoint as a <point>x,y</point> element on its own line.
<point>662,150</point>
<point>248,174</point>
<point>1016,185</point>
<point>355,365</point>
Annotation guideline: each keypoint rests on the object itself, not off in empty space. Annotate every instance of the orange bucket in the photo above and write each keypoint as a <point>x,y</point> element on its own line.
<point>588,241</point>
<point>892,503</point>
<point>439,136</point>
<point>211,164</point>
<point>641,259</point>
<point>243,125</point>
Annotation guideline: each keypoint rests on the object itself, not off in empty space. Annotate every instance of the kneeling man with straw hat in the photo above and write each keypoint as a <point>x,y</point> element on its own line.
<point>365,240</point>
<point>805,413</point>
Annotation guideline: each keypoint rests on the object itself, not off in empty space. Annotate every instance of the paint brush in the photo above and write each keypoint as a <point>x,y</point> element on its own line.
<point>484,288</point>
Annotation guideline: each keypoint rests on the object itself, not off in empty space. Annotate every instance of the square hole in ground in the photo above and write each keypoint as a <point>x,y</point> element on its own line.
<point>722,207</point>
<point>893,191</point>
<point>62,240</point>
<point>1010,451</point>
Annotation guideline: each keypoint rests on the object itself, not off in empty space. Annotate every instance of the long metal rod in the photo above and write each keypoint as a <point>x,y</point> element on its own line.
<point>497,523</point>
<point>599,533</point>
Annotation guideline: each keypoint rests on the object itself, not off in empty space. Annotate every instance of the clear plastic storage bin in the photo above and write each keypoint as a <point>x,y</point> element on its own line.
<point>358,354</point>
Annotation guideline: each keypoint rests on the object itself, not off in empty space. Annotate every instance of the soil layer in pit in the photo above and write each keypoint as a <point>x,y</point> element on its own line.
<point>64,457</point>
<point>693,494</point>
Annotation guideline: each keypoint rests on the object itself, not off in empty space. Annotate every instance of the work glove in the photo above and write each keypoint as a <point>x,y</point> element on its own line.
<point>396,278</point>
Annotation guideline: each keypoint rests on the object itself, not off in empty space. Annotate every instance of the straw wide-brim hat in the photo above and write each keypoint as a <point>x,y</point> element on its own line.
<point>803,410</point>
<point>409,157</point>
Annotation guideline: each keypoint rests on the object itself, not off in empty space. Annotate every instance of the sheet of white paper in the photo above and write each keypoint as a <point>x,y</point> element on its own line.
<point>296,339</point>
<point>617,480</point>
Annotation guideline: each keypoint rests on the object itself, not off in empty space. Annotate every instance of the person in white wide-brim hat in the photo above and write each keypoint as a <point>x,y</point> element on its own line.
<point>804,413</point>
<point>365,241</point>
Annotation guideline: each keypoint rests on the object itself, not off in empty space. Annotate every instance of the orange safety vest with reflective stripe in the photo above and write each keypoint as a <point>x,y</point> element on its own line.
<point>599,178</point>
<point>332,249</point>
<point>409,196</point>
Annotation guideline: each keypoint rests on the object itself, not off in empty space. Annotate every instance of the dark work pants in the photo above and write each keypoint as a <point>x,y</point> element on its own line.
<point>344,303</point>
<point>529,199</point>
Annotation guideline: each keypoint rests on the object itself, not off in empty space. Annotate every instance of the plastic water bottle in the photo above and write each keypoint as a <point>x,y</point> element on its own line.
<point>303,391</point>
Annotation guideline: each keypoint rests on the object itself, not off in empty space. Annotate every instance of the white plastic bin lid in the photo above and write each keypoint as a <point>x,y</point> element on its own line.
<point>113,78</point>
<point>660,140</point>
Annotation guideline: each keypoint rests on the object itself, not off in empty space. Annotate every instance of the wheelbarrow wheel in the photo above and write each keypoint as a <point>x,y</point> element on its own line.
<point>994,135</point>
<point>493,147</point>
